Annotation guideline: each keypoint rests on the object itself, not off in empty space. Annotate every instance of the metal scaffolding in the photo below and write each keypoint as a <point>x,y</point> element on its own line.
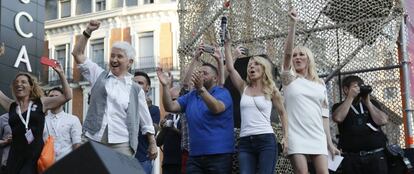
<point>358,36</point>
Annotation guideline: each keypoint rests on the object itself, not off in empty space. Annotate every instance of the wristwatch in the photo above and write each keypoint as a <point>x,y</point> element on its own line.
<point>86,34</point>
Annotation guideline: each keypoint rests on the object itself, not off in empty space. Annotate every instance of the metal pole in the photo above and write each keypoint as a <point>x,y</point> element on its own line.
<point>407,82</point>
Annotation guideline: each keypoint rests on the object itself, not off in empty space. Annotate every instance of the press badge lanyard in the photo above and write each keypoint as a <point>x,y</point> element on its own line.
<point>19,112</point>
<point>360,107</point>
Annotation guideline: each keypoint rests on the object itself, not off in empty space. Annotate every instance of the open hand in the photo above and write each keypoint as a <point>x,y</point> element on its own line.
<point>217,53</point>
<point>333,150</point>
<point>199,51</point>
<point>164,79</point>
<point>197,80</point>
<point>58,68</point>
<point>293,15</point>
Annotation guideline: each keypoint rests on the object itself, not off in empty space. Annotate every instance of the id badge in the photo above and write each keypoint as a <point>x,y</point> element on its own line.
<point>29,136</point>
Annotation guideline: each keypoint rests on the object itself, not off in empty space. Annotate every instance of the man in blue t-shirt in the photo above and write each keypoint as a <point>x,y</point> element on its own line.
<point>209,112</point>
<point>144,81</point>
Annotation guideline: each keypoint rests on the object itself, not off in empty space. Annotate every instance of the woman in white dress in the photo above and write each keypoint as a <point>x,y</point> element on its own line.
<point>257,147</point>
<point>307,107</point>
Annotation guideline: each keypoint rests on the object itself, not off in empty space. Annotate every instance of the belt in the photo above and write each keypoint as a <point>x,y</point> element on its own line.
<point>365,153</point>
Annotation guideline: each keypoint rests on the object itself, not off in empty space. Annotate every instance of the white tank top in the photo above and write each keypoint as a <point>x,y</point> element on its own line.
<point>255,115</point>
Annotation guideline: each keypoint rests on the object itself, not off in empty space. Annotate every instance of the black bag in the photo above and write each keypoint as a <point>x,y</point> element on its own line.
<point>397,162</point>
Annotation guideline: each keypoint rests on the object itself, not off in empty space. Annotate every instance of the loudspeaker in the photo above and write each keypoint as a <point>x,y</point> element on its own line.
<point>93,157</point>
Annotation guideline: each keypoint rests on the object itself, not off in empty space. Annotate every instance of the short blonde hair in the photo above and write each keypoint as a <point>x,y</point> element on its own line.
<point>311,68</point>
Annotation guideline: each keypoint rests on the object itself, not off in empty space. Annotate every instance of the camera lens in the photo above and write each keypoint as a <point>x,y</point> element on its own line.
<point>365,90</point>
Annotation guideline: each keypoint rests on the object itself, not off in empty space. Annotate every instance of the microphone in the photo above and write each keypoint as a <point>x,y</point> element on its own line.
<point>223,30</point>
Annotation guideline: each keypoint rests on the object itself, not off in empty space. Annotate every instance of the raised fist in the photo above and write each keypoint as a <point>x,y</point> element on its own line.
<point>92,26</point>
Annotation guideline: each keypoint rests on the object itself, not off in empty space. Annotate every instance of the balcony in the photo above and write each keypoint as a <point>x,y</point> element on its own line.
<point>147,64</point>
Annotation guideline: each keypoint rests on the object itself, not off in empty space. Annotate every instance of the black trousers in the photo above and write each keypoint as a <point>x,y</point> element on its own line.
<point>171,168</point>
<point>356,164</point>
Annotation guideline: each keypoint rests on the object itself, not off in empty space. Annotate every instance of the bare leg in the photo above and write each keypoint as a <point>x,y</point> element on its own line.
<point>320,162</point>
<point>299,163</point>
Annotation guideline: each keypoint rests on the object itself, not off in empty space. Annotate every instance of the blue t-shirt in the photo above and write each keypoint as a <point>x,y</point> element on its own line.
<point>141,154</point>
<point>209,133</point>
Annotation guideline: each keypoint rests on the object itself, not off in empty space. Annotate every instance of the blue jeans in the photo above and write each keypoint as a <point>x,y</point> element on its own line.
<point>210,164</point>
<point>258,154</point>
<point>147,166</point>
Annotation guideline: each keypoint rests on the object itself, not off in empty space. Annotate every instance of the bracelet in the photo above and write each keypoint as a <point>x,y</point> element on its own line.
<point>86,34</point>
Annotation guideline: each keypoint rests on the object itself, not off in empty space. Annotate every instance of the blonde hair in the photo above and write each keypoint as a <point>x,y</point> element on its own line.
<point>268,82</point>
<point>36,92</point>
<point>311,68</point>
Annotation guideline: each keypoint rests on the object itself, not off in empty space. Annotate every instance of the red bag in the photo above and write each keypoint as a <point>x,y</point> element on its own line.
<point>47,157</point>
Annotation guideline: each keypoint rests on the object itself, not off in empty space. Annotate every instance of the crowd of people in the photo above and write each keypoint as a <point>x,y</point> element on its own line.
<point>197,134</point>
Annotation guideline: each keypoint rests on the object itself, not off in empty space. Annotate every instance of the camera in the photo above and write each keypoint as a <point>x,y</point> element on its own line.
<point>364,90</point>
<point>209,49</point>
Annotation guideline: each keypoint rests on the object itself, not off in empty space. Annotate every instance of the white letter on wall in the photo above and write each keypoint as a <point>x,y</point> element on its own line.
<point>17,24</point>
<point>23,57</point>
<point>25,1</point>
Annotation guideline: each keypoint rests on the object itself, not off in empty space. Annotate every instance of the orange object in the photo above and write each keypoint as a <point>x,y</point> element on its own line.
<point>47,157</point>
<point>410,141</point>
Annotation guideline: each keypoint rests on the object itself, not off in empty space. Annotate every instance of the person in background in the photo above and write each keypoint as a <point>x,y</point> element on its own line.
<point>359,122</point>
<point>5,141</point>
<point>65,128</point>
<point>118,107</point>
<point>209,114</point>
<point>144,81</point>
<point>306,104</point>
<point>27,119</point>
<point>169,138</point>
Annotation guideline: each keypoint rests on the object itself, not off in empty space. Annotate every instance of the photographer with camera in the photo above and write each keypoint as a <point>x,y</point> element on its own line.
<point>359,122</point>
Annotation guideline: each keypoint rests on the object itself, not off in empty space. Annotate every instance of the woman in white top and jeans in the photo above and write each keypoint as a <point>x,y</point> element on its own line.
<point>307,106</point>
<point>257,147</point>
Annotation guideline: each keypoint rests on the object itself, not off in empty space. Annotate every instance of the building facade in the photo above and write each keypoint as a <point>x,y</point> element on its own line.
<point>151,26</point>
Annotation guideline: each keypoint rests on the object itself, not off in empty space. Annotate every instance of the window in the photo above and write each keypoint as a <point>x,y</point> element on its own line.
<point>100,5</point>
<point>64,8</point>
<point>151,93</point>
<point>117,3</point>
<point>131,2</point>
<point>146,50</point>
<point>148,1</point>
<point>83,6</point>
<point>51,9</point>
<point>62,56</point>
<point>97,53</point>
<point>390,93</point>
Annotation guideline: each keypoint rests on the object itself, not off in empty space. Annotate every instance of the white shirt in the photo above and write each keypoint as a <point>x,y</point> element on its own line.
<point>306,104</point>
<point>66,130</point>
<point>118,90</point>
<point>255,115</point>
